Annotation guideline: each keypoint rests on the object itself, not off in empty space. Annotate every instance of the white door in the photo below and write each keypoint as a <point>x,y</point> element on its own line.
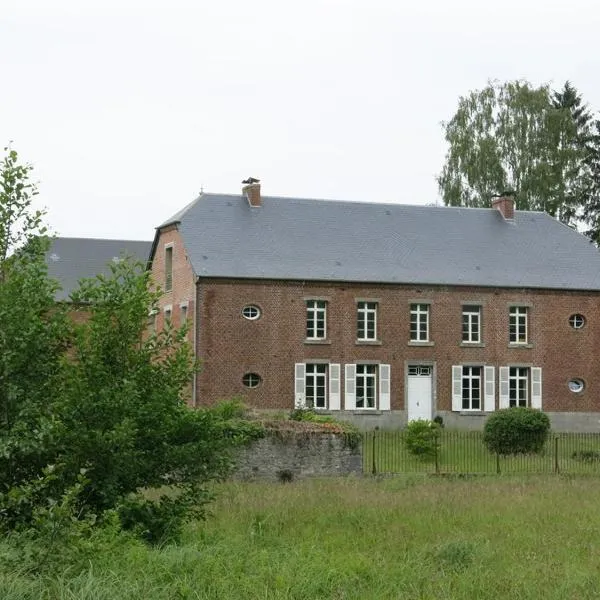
<point>418,390</point>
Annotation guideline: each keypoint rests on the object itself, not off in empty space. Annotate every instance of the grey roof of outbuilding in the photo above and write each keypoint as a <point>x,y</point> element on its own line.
<point>304,239</point>
<point>72,259</point>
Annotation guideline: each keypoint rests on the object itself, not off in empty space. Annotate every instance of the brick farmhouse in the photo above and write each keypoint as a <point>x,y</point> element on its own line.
<point>383,313</point>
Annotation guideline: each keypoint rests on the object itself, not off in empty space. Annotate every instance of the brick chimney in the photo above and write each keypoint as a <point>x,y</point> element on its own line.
<point>505,203</point>
<point>251,190</point>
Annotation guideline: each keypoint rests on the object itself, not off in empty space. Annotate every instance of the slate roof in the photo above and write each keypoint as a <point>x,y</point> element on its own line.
<point>304,239</point>
<point>71,259</point>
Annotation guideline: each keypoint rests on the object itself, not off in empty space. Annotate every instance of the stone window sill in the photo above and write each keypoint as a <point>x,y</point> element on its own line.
<point>412,343</point>
<point>520,345</point>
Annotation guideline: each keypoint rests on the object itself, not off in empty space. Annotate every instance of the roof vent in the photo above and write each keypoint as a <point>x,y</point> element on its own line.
<point>251,190</point>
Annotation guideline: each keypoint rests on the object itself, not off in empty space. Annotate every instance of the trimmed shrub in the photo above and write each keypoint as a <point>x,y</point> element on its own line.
<point>517,430</point>
<point>422,438</point>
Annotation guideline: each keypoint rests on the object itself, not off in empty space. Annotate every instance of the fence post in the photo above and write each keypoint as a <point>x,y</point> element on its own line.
<point>374,465</point>
<point>556,465</point>
<point>497,463</point>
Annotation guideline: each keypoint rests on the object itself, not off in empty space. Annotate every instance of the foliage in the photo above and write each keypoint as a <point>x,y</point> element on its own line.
<point>94,412</point>
<point>352,436</point>
<point>514,136</point>
<point>517,430</point>
<point>422,439</point>
<point>589,456</point>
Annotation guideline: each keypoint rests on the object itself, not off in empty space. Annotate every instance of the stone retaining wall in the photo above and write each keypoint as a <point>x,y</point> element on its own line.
<point>290,455</point>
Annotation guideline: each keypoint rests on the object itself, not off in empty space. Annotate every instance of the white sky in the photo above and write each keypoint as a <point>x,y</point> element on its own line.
<point>127,107</point>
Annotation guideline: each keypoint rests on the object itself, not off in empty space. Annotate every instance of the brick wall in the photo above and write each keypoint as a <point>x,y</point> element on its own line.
<point>230,346</point>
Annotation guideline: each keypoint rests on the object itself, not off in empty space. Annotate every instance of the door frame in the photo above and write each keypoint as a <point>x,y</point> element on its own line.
<point>421,363</point>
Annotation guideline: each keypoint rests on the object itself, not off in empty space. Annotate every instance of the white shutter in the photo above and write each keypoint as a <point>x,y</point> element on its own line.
<point>536,387</point>
<point>350,389</point>
<point>300,394</point>
<point>384,387</point>
<point>334,387</point>
<point>457,388</point>
<point>489,402</point>
<point>504,399</point>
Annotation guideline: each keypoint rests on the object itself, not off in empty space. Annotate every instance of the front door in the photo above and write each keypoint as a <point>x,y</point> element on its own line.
<point>418,390</point>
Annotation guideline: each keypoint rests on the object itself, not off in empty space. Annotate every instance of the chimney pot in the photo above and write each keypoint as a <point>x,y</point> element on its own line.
<point>505,203</point>
<point>251,190</point>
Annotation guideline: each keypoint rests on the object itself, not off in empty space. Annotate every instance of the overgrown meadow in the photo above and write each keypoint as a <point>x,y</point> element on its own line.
<point>403,537</point>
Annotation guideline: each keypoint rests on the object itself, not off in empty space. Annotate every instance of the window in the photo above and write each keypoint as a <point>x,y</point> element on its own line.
<point>474,388</point>
<point>518,386</point>
<point>251,312</point>
<point>316,319</point>
<point>366,325</point>
<point>251,380</point>
<point>168,312</point>
<point>517,325</point>
<point>419,322</point>
<point>316,385</point>
<point>471,324</point>
<point>168,268</point>
<point>471,388</point>
<point>577,321</point>
<point>576,385</point>
<point>366,386</point>
<point>152,320</point>
<point>183,309</point>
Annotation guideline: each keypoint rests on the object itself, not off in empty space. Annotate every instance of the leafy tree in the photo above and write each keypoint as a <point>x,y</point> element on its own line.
<point>513,136</point>
<point>92,416</point>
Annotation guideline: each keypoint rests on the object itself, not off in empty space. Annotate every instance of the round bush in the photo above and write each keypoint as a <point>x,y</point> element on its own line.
<point>422,438</point>
<point>517,430</point>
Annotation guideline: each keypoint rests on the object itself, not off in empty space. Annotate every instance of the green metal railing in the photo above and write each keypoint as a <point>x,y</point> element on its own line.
<point>463,452</point>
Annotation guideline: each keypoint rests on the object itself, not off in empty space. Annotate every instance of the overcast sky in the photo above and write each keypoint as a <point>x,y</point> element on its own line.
<point>127,108</point>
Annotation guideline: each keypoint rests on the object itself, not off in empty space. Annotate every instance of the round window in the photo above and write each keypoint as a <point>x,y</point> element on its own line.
<point>251,380</point>
<point>251,312</point>
<point>576,385</point>
<point>576,321</point>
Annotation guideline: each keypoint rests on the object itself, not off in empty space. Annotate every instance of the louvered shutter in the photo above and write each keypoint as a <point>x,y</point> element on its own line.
<point>384,387</point>
<point>300,395</point>
<point>350,388</point>
<point>489,402</point>
<point>536,388</point>
<point>457,388</point>
<point>334,387</point>
<point>504,394</point>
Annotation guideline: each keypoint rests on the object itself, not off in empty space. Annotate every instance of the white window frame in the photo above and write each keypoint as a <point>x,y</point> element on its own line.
<point>169,252</point>
<point>316,319</point>
<point>332,386</point>
<point>515,376</point>
<point>419,314</point>
<point>315,376</point>
<point>487,402</point>
<point>469,377</point>
<point>518,321</point>
<point>471,320</point>
<point>366,373</point>
<point>366,314</point>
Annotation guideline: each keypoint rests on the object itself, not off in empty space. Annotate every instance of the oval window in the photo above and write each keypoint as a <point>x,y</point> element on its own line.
<point>251,312</point>
<point>576,385</point>
<point>251,380</point>
<point>577,321</point>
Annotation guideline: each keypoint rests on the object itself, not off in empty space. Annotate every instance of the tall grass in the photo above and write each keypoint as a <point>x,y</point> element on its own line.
<point>407,537</point>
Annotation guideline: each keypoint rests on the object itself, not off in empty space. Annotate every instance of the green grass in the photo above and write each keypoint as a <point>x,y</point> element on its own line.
<point>405,537</point>
<point>464,452</point>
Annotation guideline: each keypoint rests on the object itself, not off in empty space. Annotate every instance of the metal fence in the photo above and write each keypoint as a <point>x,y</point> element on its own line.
<point>463,452</point>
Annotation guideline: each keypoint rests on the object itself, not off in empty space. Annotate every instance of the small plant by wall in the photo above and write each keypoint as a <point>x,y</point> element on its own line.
<point>422,439</point>
<point>517,430</point>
